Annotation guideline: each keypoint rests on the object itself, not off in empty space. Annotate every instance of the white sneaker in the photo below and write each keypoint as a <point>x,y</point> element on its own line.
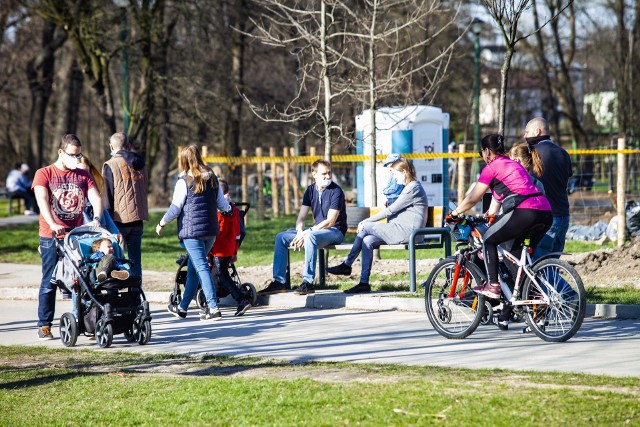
<point>30,212</point>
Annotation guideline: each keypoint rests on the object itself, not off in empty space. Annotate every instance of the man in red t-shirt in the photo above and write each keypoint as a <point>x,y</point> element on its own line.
<point>60,191</point>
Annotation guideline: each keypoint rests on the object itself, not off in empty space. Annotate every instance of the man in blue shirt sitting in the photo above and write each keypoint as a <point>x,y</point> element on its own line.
<point>325,199</point>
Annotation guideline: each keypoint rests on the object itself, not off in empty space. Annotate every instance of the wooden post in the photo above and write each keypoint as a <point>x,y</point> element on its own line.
<point>204,151</point>
<point>296,188</point>
<point>260,171</point>
<point>274,184</point>
<point>461,167</point>
<point>621,189</point>
<point>286,187</point>
<point>244,186</point>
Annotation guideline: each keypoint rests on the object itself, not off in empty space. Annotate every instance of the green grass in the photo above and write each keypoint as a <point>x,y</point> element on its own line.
<point>41,386</point>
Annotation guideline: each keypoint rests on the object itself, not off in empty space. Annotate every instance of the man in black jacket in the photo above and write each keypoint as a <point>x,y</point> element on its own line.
<point>557,171</point>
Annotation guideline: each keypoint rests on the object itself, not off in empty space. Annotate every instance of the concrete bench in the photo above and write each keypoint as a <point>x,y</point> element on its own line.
<point>434,234</point>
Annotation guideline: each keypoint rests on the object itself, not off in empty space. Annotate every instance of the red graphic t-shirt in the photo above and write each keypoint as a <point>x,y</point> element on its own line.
<point>67,192</point>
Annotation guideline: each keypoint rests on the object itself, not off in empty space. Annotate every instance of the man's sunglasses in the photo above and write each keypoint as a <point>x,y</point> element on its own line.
<point>76,156</point>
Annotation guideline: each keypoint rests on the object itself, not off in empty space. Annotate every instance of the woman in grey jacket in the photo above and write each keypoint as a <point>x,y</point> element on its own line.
<point>406,214</point>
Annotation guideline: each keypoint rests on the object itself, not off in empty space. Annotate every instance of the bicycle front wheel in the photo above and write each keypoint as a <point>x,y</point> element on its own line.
<point>561,319</point>
<point>453,308</point>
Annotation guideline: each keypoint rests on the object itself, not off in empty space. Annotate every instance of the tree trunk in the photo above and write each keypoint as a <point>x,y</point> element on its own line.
<point>326,81</point>
<point>237,77</point>
<point>40,75</point>
<point>372,102</point>
<point>69,91</point>
<point>504,78</point>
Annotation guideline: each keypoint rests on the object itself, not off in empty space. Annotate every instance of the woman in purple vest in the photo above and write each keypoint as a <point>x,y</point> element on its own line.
<point>196,199</point>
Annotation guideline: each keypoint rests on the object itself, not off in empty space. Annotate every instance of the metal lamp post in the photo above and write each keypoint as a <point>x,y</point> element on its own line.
<point>476,27</point>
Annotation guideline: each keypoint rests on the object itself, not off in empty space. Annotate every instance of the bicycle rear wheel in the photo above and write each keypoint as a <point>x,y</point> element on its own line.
<point>562,318</point>
<point>454,312</point>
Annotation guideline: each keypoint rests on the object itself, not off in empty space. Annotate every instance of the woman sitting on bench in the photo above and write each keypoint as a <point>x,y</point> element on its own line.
<point>406,214</point>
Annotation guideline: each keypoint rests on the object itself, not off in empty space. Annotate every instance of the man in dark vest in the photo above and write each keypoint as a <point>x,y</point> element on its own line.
<point>125,179</point>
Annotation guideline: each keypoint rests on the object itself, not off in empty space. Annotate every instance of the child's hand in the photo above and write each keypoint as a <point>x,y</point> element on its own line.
<point>159,230</point>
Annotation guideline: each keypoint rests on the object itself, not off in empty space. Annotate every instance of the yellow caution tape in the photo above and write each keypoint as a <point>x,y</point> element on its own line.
<point>352,158</point>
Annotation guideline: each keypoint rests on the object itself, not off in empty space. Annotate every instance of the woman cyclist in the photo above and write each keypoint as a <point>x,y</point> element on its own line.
<point>526,211</point>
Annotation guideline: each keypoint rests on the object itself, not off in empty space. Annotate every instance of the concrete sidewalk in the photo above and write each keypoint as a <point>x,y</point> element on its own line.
<point>22,281</point>
<point>601,346</point>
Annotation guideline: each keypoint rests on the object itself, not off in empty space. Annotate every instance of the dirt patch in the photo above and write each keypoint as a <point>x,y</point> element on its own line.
<point>619,266</point>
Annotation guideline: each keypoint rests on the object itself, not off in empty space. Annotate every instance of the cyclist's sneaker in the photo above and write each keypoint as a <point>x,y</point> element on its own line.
<point>177,311</point>
<point>503,325</point>
<point>210,314</point>
<point>243,307</point>
<point>274,287</point>
<point>341,269</point>
<point>44,333</point>
<point>305,288</point>
<point>489,290</point>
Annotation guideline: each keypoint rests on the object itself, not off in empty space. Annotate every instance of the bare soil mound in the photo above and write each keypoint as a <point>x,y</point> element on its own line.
<point>619,266</point>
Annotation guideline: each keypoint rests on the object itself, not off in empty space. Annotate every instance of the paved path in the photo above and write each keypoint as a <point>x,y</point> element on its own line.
<point>607,347</point>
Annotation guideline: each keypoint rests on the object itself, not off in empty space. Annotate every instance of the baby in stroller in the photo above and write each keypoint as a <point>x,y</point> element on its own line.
<point>222,256</point>
<point>108,266</point>
<point>102,306</point>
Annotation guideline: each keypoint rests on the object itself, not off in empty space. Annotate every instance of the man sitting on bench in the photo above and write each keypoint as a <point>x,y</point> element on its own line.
<point>406,214</point>
<point>326,200</point>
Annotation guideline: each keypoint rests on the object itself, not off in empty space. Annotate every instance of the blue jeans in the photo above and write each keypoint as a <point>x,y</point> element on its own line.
<point>198,272</point>
<point>553,240</point>
<point>366,241</point>
<point>313,241</point>
<point>132,235</point>
<point>47,294</point>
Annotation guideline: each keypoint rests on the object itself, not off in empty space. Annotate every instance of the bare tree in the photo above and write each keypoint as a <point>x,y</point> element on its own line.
<point>507,15</point>
<point>91,45</point>
<point>40,74</point>
<point>309,34</point>
<point>555,58</point>
<point>391,39</point>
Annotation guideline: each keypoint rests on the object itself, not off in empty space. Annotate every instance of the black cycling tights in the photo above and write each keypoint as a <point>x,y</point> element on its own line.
<point>516,225</point>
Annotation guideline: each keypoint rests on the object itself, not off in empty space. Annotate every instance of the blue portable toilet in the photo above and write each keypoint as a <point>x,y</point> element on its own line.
<point>402,130</point>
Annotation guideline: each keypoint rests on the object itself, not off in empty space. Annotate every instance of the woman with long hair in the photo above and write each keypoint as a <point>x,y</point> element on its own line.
<point>197,197</point>
<point>529,157</point>
<point>106,221</point>
<point>407,213</point>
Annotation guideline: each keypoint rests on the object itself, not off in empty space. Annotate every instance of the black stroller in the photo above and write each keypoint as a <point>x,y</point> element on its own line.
<point>104,308</point>
<point>181,275</point>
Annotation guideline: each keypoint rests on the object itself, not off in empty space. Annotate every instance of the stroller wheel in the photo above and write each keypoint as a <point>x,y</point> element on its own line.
<point>201,299</point>
<point>104,333</point>
<point>175,298</point>
<point>68,330</point>
<point>144,332</point>
<point>130,334</point>
<point>251,292</point>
